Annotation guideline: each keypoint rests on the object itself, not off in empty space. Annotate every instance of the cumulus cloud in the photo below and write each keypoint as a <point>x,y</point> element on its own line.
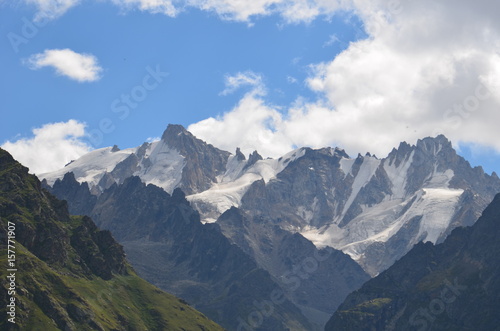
<point>79,67</point>
<point>247,78</point>
<point>427,67</point>
<point>52,146</point>
<point>250,125</point>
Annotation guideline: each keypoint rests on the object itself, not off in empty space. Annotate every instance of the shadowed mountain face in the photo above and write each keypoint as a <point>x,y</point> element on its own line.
<point>169,246</point>
<point>316,281</point>
<point>451,286</point>
<point>67,274</point>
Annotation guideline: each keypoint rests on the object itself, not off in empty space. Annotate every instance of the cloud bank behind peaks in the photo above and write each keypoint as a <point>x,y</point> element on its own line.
<point>427,67</point>
<point>79,67</point>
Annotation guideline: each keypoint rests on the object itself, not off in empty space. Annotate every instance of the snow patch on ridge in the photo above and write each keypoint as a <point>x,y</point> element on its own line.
<point>92,166</point>
<point>378,224</point>
<point>363,177</point>
<point>166,171</point>
<point>235,182</point>
<point>161,166</point>
<point>435,204</point>
<point>398,176</point>
<point>438,206</point>
<point>346,165</point>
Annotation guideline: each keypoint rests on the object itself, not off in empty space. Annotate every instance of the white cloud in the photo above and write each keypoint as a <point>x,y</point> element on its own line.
<point>51,9</point>
<point>332,40</point>
<point>427,67</point>
<point>421,60</point>
<point>166,7</point>
<point>53,146</point>
<point>250,125</point>
<point>292,11</point>
<point>79,67</point>
<point>238,10</point>
<point>247,78</point>
<point>297,11</point>
<point>153,139</point>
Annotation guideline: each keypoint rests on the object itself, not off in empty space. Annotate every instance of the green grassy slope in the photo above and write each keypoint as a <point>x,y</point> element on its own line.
<point>70,275</point>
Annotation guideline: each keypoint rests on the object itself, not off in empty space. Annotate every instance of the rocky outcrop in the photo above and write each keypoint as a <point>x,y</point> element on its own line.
<point>71,190</point>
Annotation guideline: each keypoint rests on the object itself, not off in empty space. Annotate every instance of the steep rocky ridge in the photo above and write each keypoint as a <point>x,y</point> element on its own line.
<point>69,275</point>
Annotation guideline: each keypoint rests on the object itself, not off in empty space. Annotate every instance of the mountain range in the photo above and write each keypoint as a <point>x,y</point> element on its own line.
<point>364,206</point>
<point>314,223</point>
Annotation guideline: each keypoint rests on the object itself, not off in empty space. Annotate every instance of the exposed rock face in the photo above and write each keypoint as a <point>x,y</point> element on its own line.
<point>98,249</point>
<point>169,246</point>
<point>203,162</point>
<point>71,190</point>
<point>452,286</point>
<point>67,274</point>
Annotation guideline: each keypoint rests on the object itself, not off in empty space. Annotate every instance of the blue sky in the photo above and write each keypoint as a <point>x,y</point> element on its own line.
<point>268,77</point>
